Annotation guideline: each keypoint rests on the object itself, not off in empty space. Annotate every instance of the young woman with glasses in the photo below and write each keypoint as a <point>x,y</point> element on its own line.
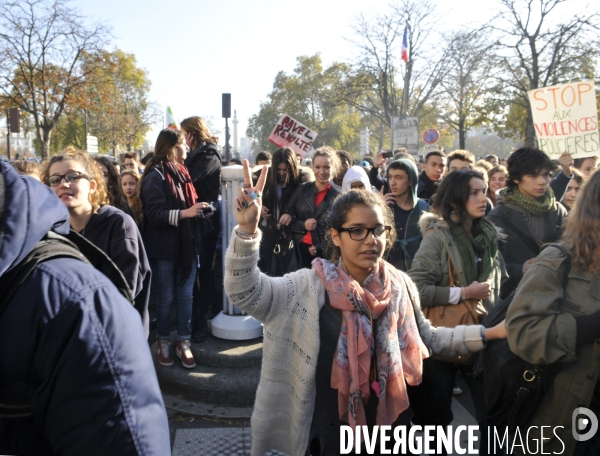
<point>342,339</point>
<point>77,181</point>
<point>456,230</point>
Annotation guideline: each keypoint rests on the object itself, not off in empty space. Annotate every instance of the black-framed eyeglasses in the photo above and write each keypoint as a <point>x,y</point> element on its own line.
<point>358,233</point>
<point>70,178</point>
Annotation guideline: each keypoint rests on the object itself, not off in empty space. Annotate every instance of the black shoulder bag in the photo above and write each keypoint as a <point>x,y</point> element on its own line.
<point>514,388</point>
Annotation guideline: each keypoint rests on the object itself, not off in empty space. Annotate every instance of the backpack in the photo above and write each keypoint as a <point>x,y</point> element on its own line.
<point>514,388</point>
<point>50,247</point>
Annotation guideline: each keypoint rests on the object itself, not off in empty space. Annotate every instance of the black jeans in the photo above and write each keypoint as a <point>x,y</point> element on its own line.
<point>446,376</point>
<point>204,291</point>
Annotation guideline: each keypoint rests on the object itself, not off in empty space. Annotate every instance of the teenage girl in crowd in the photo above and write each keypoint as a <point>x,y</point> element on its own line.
<point>343,338</point>
<point>130,186</point>
<point>573,190</point>
<point>111,183</point>
<point>497,177</point>
<point>170,211</point>
<point>308,208</point>
<point>457,230</point>
<point>78,183</point>
<point>548,323</point>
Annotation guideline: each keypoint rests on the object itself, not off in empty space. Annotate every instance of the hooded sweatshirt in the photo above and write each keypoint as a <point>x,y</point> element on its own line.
<point>70,345</point>
<point>409,236</point>
<point>355,174</point>
<point>117,235</point>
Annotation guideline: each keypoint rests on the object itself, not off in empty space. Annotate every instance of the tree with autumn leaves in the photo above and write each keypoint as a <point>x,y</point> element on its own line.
<point>54,67</point>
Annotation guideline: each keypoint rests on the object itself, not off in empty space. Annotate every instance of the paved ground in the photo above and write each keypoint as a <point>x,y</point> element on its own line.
<point>191,436</point>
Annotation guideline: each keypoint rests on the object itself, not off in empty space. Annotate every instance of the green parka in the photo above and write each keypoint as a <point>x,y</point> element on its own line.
<point>541,329</point>
<point>429,269</point>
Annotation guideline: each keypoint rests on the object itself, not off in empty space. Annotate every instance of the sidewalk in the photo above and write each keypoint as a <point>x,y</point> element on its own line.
<point>200,437</point>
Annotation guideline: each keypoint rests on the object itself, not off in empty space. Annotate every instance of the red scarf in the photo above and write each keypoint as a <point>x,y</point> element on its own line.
<point>183,196</point>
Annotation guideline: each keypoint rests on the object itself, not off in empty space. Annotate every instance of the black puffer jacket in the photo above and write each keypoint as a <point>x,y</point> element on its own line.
<point>204,166</point>
<point>301,207</point>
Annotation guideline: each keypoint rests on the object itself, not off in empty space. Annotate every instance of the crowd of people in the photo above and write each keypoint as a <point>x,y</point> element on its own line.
<point>340,259</point>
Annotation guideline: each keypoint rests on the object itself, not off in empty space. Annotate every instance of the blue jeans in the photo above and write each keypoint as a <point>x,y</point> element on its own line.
<point>168,288</point>
<point>446,376</point>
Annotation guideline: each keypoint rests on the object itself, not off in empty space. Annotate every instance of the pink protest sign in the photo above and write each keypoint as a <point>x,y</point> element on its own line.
<point>290,133</point>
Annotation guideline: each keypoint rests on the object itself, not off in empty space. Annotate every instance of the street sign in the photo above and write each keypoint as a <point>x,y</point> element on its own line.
<point>431,136</point>
<point>405,133</point>
<point>92,144</point>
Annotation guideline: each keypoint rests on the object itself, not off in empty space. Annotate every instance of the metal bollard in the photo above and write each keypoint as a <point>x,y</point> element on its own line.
<point>232,323</point>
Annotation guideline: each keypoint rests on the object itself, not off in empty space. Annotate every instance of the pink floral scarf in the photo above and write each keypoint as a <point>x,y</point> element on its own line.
<point>398,347</point>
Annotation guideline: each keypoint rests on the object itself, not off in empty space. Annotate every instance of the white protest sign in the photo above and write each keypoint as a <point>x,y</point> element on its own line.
<point>565,117</point>
<point>405,133</point>
<point>290,133</point>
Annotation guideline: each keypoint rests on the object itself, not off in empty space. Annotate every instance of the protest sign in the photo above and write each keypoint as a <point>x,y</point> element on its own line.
<point>565,118</point>
<point>290,133</point>
<point>405,133</point>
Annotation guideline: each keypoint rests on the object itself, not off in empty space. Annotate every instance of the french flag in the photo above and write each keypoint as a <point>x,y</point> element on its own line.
<point>404,49</point>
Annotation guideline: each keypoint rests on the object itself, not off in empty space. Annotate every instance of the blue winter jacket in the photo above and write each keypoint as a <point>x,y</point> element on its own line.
<point>71,345</point>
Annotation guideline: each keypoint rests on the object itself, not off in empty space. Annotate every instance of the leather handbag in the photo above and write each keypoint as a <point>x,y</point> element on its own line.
<point>466,312</point>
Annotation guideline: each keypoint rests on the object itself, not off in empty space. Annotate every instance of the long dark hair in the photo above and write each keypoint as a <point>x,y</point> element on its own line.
<point>286,156</point>
<point>164,149</point>
<point>344,204</point>
<point>450,201</point>
<point>113,187</point>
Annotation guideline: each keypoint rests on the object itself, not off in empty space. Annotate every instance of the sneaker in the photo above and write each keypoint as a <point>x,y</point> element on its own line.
<point>200,330</point>
<point>185,354</point>
<point>164,358</point>
<point>456,391</point>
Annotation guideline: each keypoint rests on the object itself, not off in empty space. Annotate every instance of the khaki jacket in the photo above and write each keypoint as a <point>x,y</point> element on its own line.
<point>429,269</point>
<point>542,330</point>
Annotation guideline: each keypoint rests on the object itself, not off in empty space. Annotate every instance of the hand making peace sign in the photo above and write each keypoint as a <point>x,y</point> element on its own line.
<point>249,200</point>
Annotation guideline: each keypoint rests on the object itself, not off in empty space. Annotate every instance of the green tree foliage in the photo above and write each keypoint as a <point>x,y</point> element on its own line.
<point>120,113</point>
<point>309,96</point>
<point>42,44</point>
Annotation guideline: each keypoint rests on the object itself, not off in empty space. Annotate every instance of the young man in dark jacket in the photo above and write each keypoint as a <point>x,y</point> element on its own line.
<point>204,165</point>
<point>402,178</point>
<point>527,213</point>
<point>71,345</point>
<point>433,171</point>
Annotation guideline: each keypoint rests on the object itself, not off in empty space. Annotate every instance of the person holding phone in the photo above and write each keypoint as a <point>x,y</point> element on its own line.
<point>170,211</point>
<point>403,181</point>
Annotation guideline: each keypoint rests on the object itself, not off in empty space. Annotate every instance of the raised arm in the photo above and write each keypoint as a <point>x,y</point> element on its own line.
<point>259,295</point>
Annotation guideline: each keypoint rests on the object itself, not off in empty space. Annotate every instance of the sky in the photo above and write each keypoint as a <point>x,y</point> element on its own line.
<point>195,50</point>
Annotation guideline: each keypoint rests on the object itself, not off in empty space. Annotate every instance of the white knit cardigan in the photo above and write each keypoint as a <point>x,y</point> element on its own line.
<point>289,309</point>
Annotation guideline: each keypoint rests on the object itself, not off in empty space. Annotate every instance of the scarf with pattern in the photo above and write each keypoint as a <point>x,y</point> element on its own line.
<point>397,345</point>
<point>535,206</point>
